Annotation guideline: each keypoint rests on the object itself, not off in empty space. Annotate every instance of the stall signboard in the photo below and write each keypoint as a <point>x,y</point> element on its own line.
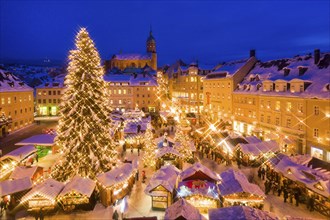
<point>40,203</point>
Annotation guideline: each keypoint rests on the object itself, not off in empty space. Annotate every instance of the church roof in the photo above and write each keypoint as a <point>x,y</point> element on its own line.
<point>151,37</point>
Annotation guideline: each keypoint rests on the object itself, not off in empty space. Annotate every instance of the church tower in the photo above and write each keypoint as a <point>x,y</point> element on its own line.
<point>151,48</point>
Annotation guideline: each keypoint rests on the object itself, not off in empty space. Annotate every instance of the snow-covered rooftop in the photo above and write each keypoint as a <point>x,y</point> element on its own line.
<point>167,150</point>
<point>9,187</point>
<point>226,69</point>
<point>313,179</point>
<point>233,182</point>
<point>132,56</point>
<point>20,153</point>
<point>23,171</point>
<point>184,209</point>
<point>240,213</point>
<point>78,184</point>
<point>196,167</point>
<point>165,176</point>
<point>258,148</point>
<point>10,83</point>
<point>288,70</point>
<point>138,79</point>
<point>40,139</point>
<point>116,175</point>
<point>55,83</point>
<point>49,189</point>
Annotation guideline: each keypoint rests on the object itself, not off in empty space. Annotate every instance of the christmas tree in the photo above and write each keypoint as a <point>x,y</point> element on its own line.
<point>162,89</point>
<point>183,143</point>
<point>149,157</point>
<point>83,132</point>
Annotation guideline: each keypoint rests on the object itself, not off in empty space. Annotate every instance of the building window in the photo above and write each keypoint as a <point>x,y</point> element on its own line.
<point>277,105</point>
<point>124,91</point>
<point>44,101</point>
<point>316,110</point>
<point>288,106</point>
<point>120,101</point>
<point>54,101</point>
<point>300,107</point>
<point>300,127</point>
<point>301,88</point>
<point>268,104</point>
<point>58,100</point>
<point>114,92</point>
<point>54,92</point>
<point>268,119</point>
<point>49,101</point>
<point>111,101</point>
<point>288,122</point>
<point>49,92</point>
<point>316,132</point>
<point>262,103</point>
<point>277,121</point>
<point>29,98</point>
<point>119,91</point>
<point>58,92</point>
<point>262,117</point>
<point>39,101</point>
<point>44,92</point>
<point>2,101</point>
<point>39,93</point>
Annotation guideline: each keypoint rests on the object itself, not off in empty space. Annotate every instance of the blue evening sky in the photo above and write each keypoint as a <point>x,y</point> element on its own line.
<point>210,31</point>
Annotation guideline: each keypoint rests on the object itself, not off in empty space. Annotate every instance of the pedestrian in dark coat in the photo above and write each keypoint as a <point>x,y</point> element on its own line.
<point>285,195</point>
<point>279,191</point>
<point>263,172</point>
<point>115,215</point>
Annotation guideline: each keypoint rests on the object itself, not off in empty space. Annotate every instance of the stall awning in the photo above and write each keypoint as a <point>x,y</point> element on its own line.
<point>287,141</point>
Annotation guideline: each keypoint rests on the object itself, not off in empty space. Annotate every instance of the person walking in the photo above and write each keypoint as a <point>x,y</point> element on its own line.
<point>115,215</point>
<point>41,214</point>
<point>285,195</point>
<point>263,172</point>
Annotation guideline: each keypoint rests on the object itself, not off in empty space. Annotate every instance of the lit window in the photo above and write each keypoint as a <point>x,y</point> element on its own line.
<point>300,107</point>
<point>288,122</point>
<point>277,121</point>
<point>277,105</point>
<point>288,106</point>
<point>316,110</point>
<point>9,100</point>
<point>119,91</point>
<point>316,132</point>
<point>2,101</point>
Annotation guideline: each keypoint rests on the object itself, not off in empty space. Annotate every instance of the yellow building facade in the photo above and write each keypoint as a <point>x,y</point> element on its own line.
<point>48,98</point>
<point>16,103</point>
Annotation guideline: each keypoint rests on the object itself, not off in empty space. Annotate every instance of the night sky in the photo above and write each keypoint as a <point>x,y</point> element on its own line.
<point>207,31</point>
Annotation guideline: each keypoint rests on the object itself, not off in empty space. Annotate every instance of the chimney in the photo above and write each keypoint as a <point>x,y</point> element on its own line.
<point>316,56</point>
<point>252,53</point>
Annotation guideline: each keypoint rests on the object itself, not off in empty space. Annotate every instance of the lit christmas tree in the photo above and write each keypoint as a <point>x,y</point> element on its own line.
<point>83,132</point>
<point>162,90</point>
<point>149,157</point>
<point>183,143</point>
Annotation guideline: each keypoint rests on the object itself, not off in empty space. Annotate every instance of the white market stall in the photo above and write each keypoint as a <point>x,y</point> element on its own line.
<point>116,183</point>
<point>198,185</point>
<point>78,193</point>
<point>161,187</point>
<point>35,173</point>
<point>182,209</point>
<point>43,196</point>
<point>235,189</point>
<point>44,143</point>
<point>9,161</point>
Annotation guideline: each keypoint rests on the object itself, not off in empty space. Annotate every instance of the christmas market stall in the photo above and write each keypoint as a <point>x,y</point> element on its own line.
<point>35,173</point>
<point>255,154</point>
<point>198,185</point>
<point>78,193</point>
<point>240,212</point>
<point>11,191</point>
<point>44,143</point>
<point>235,189</point>
<point>182,210</point>
<point>9,161</point>
<point>308,183</point>
<point>167,156</point>
<point>116,183</point>
<point>161,187</point>
<point>43,196</point>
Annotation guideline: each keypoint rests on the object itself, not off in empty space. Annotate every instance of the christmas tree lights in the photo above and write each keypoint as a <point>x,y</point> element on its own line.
<point>149,157</point>
<point>84,127</point>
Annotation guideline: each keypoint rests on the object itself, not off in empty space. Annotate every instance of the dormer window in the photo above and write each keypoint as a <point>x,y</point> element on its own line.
<point>286,71</point>
<point>259,86</point>
<point>302,70</point>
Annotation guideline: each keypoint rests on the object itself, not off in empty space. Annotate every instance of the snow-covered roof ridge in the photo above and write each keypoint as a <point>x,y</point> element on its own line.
<point>198,167</point>
<point>184,209</point>
<point>166,176</point>
<point>260,147</point>
<point>78,184</point>
<point>136,79</point>
<point>236,182</point>
<point>10,83</point>
<point>167,150</point>
<point>132,56</point>
<point>241,213</point>
<point>39,139</point>
<point>299,68</point>
<point>116,175</point>
<point>20,153</point>
<point>49,189</point>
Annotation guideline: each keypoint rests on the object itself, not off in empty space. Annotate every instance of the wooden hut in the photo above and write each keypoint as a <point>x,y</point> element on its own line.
<point>235,189</point>
<point>168,155</point>
<point>198,185</point>
<point>182,210</point>
<point>35,173</point>
<point>78,193</point>
<point>116,183</point>
<point>161,187</point>
<point>43,196</point>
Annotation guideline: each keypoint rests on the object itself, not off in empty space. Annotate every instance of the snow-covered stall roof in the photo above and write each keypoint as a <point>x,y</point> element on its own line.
<point>11,83</point>
<point>240,213</point>
<point>116,175</point>
<point>196,167</point>
<point>165,176</point>
<point>256,149</point>
<point>23,171</point>
<point>20,153</point>
<point>162,138</point>
<point>184,209</point>
<point>9,187</point>
<point>236,182</point>
<point>167,150</point>
<point>40,139</point>
<point>289,70</point>
<point>49,189</point>
<point>78,184</point>
<point>311,178</point>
